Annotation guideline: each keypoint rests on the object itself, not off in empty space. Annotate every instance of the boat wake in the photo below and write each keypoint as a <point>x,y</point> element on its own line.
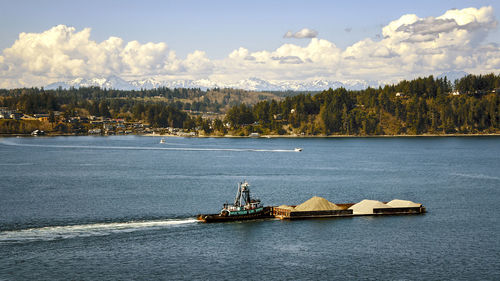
<point>50,233</point>
<point>475,176</point>
<point>148,148</point>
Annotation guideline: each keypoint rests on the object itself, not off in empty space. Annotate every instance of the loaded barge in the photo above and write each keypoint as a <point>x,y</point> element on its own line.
<point>246,208</point>
<point>318,207</point>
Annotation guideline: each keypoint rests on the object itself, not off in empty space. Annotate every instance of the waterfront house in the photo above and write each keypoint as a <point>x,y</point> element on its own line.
<point>83,119</point>
<point>108,127</point>
<point>28,117</point>
<point>5,113</point>
<point>16,115</point>
<point>41,117</point>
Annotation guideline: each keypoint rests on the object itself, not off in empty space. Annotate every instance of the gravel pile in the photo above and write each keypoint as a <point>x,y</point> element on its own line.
<point>366,207</point>
<point>317,204</point>
<point>397,203</point>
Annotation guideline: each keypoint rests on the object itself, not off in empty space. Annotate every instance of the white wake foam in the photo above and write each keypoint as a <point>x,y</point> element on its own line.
<point>86,230</point>
<point>148,148</point>
<point>476,176</point>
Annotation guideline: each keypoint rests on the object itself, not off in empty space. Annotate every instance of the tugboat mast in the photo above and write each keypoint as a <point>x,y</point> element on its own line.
<point>243,195</point>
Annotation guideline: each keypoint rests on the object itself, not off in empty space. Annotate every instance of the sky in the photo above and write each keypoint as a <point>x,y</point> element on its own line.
<point>47,41</point>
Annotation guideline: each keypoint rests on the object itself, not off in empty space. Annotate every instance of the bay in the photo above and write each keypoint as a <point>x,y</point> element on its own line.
<point>123,207</point>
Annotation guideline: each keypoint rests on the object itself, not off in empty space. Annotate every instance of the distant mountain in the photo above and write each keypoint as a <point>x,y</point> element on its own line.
<point>453,75</point>
<point>254,84</point>
<point>251,84</point>
<point>111,82</point>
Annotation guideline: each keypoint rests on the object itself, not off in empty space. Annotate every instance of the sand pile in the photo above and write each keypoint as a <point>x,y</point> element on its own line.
<point>366,207</point>
<point>397,203</point>
<point>317,204</point>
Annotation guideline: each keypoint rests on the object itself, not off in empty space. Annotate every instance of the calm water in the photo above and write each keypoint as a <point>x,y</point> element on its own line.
<point>107,208</point>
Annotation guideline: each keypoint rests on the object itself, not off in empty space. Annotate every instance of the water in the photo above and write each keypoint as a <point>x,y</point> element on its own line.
<point>108,208</point>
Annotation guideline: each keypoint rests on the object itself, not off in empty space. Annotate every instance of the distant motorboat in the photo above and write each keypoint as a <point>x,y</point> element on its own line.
<point>298,149</point>
<point>162,140</point>
<point>37,133</point>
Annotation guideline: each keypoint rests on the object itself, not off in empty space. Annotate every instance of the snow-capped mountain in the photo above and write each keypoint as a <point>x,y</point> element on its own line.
<point>252,84</point>
<point>110,82</point>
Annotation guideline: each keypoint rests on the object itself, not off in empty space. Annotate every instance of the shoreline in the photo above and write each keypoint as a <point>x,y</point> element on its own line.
<point>270,136</point>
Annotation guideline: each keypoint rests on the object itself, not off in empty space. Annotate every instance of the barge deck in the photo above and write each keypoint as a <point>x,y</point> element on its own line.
<point>345,210</point>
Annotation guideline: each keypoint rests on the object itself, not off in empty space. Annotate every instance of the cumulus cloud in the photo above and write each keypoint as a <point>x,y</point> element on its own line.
<point>421,46</point>
<point>303,33</point>
<point>410,46</point>
<point>62,52</point>
<point>288,60</point>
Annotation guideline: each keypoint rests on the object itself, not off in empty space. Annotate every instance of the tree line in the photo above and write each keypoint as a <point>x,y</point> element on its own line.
<point>35,100</point>
<point>419,106</point>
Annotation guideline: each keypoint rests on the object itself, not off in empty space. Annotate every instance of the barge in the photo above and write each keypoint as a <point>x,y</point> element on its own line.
<point>318,207</point>
<point>243,208</point>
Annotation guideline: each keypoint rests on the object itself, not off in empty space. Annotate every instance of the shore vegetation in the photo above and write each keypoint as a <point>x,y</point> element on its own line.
<point>421,106</point>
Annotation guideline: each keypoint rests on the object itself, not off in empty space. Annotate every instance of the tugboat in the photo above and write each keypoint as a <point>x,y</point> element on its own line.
<point>244,208</point>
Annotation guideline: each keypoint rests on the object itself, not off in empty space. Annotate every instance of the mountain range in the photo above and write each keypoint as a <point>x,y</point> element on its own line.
<point>251,84</point>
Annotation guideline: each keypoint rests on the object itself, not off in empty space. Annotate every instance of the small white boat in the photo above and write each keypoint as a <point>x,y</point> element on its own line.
<point>162,140</point>
<point>298,149</point>
<point>37,133</point>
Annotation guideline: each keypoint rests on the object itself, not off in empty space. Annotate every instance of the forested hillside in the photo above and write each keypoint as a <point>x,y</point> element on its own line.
<point>421,106</point>
<point>36,100</point>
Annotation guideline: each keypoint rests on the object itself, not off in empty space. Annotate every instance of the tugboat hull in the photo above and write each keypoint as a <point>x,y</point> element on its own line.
<point>264,214</point>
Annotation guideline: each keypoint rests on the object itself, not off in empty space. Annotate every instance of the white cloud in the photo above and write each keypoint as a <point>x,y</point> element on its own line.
<point>421,46</point>
<point>287,62</point>
<point>303,33</point>
<point>197,63</point>
<point>63,53</point>
<point>411,46</point>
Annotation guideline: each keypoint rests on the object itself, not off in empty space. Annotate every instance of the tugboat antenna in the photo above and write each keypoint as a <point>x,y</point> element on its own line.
<point>238,195</point>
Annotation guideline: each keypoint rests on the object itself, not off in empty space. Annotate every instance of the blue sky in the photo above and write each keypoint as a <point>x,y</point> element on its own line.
<point>218,28</point>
